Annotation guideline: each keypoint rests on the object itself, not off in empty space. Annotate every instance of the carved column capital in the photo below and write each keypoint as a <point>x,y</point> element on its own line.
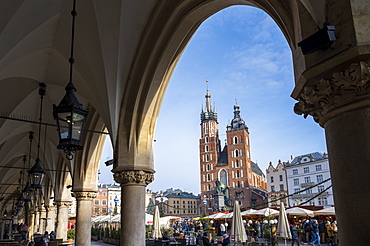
<point>63,203</point>
<point>50,208</point>
<point>344,91</point>
<point>84,195</point>
<point>136,177</point>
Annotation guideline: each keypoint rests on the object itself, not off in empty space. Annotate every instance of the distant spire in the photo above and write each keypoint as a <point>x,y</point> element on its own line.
<point>237,123</point>
<point>208,113</point>
<point>208,99</point>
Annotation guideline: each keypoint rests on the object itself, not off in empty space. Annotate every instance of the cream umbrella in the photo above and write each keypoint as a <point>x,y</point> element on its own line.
<point>248,212</point>
<point>299,212</point>
<point>265,212</point>
<point>238,233</point>
<point>325,211</point>
<point>215,216</point>
<point>283,229</point>
<point>156,227</point>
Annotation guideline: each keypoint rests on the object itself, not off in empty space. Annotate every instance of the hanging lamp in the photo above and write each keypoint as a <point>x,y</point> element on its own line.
<point>37,172</point>
<point>70,114</point>
<point>27,191</point>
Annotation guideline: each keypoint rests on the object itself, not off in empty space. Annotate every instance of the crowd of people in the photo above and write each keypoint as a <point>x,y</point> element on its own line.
<point>306,232</point>
<point>19,233</point>
<point>315,232</point>
<point>183,228</point>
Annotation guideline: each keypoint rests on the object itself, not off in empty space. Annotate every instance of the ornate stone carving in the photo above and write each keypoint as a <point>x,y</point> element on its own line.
<point>63,203</point>
<point>50,208</point>
<point>344,88</point>
<point>84,195</point>
<point>138,177</point>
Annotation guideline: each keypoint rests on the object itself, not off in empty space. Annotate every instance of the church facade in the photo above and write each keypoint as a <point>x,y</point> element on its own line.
<point>227,174</point>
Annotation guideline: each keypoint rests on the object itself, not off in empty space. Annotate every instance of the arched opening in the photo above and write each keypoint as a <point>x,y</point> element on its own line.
<point>249,55</point>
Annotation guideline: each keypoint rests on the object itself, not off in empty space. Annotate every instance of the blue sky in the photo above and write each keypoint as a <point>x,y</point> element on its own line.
<point>244,56</point>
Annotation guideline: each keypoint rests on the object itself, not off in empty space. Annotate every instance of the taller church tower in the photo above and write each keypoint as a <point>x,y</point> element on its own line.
<point>229,175</point>
<point>209,146</point>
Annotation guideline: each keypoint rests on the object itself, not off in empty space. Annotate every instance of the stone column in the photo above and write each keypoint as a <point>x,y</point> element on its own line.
<point>341,104</point>
<point>50,215</point>
<point>133,183</point>
<point>83,216</point>
<point>42,220</point>
<point>31,225</point>
<point>36,228</point>
<point>62,218</point>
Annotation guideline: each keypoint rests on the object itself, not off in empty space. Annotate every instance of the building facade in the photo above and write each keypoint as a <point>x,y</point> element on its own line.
<point>178,203</point>
<point>227,175</point>
<point>276,184</point>
<point>100,202</point>
<point>305,171</point>
<point>114,198</point>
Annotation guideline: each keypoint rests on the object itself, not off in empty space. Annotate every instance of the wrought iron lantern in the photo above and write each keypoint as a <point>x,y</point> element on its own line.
<point>69,114</point>
<point>37,174</point>
<point>27,193</point>
<point>70,117</point>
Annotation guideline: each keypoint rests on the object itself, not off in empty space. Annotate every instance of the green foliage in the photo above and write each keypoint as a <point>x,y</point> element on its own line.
<point>115,233</point>
<point>169,231</point>
<point>148,229</point>
<point>71,234</point>
<point>94,231</point>
<point>107,232</point>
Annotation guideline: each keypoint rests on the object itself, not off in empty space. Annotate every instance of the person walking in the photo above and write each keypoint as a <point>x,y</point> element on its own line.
<point>293,231</point>
<point>330,233</point>
<point>322,231</point>
<point>334,226</point>
<point>222,229</point>
<point>315,233</point>
<point>307,228</point>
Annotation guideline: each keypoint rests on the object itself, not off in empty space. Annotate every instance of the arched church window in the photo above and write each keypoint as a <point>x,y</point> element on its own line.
<point>208,167</point>
<point>223,176</point>
<point>235,140</point>
<point>207,148</point>
<point>238,184</point>
<point>208,177</point>
<point>238,175</point>
<point>236,163</point>
<point>206,139</point>
<point>236,153</point>
<point>207,157</point>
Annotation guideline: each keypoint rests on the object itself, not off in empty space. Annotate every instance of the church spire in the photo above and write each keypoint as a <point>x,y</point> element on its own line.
<point>237,123</point>
<point>208,113</point>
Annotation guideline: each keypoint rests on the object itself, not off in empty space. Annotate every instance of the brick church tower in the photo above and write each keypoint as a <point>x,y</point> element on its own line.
<point>229,174</point>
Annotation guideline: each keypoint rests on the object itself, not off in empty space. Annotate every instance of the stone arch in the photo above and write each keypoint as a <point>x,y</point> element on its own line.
<point>154,63</point>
